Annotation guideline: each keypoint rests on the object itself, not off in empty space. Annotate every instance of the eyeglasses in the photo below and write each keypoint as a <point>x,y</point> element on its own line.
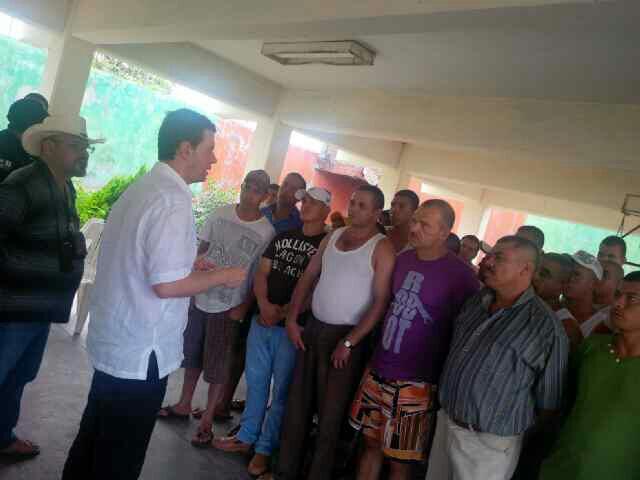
<point>77,147</point>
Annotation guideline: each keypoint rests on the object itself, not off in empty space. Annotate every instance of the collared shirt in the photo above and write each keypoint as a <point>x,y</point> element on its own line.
<point>504,366</point>
<point>292,222</point>
<point>149,239</point>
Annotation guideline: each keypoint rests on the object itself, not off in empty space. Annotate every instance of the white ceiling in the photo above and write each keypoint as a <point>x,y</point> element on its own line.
<point>576,53</point>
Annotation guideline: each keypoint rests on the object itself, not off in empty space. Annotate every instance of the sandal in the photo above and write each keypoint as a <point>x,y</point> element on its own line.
<point>202,439</point>
<point>170,412</point>
<point>231,444</point>
<point>20,450</point>
<point>259,470</point>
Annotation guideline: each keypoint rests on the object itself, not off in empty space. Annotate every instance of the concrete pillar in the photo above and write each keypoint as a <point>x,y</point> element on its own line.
<point>67,70</point>
<point>269,147</point>
<point>472,216</point>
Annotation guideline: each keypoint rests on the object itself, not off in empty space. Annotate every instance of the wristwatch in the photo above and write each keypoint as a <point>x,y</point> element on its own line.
<point>348,344</point>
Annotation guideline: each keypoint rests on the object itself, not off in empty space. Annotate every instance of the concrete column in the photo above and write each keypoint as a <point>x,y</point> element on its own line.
<point>472,216</point>
<point>67,70</point>
<point>269,147</point>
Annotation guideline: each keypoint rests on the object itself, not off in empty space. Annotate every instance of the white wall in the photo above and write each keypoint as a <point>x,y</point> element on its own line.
<point>50,14</point>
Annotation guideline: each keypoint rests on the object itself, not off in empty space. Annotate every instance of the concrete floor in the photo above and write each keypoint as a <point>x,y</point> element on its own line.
<point>51,411</point>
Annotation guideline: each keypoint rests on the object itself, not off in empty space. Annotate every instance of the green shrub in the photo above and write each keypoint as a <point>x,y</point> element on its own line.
<point>97,204</point>
<point>213,196</point>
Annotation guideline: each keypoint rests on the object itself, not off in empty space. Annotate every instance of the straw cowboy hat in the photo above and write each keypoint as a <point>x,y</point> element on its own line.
<point>54,125</point>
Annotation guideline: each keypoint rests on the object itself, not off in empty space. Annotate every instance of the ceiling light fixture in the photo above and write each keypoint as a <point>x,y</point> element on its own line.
<point>343,53</point>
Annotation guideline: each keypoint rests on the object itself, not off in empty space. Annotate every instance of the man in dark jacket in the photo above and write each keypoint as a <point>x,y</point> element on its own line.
<point>22,114</point>
<point>41,259</point>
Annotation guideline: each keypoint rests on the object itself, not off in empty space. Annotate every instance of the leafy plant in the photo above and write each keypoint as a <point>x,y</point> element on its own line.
<point>131,72</point>
<point>98,204</point>
<point>213,195</point>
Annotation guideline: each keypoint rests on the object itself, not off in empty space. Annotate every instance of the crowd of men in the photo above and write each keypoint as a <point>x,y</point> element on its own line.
<point>357,342</point>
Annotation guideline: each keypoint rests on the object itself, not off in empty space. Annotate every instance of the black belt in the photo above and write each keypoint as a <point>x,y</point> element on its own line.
<point>465,425</point>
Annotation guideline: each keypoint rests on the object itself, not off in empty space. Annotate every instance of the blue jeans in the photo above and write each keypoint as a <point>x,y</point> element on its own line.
<point>21,349</point>
<point>269,354</point>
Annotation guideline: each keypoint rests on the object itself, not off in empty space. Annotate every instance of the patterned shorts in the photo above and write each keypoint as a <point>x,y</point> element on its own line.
<point>398,414</point>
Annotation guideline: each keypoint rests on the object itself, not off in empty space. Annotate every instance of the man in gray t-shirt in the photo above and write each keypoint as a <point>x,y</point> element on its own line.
<point>233,235</point>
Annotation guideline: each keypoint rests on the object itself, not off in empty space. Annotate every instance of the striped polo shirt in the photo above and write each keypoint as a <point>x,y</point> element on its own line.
<point>503,367</point>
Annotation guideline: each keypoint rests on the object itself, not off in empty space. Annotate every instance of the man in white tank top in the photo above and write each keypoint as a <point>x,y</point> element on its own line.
<point>353,270</point>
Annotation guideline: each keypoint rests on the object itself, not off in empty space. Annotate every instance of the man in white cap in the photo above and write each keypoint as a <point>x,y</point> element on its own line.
<point>41,259</point>
<point>270,353</point>
<point>579,294</point>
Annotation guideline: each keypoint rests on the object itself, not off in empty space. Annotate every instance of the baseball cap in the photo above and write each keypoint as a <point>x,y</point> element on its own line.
<point>589,262</point>
<point>258,177</point>
<point>316,193</point>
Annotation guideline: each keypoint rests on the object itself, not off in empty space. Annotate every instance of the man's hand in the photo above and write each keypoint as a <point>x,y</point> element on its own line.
<point>270,314</point>
<point>340,356</point>
<point>238,313</point>
<point>294,331</point>
<point>233,276</point>
<point>202,264</point>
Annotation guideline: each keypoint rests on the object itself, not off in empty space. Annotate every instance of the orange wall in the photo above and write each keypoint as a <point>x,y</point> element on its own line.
<point>233,140</point>
<point>501,223</point>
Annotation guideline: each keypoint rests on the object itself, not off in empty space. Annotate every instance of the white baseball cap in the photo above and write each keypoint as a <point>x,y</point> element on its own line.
<point>589,262</point>
<point>54,125</point>
<point>316,193</point>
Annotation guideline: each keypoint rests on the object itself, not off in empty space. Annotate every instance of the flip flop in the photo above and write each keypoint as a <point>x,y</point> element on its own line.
<point>202,439</point>
<point>170,412</point>
<point>17,455</point>
<point>197,413</point>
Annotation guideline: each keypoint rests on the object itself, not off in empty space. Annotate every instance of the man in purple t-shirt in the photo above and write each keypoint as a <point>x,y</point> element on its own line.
<point>394,403</point>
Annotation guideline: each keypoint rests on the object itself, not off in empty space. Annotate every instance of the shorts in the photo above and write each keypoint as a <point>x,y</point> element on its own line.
<point>223,342</point>
<point>194,336</point>
<point>398,414</point>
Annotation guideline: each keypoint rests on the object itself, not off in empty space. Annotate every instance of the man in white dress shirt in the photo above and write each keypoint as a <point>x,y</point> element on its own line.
<point>139,310</point>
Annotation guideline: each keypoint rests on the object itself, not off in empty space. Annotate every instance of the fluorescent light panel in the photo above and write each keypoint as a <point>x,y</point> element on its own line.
<point>342,53</point>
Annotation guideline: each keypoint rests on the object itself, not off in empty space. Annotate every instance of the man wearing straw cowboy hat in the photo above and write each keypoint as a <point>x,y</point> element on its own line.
<point>41,259</point>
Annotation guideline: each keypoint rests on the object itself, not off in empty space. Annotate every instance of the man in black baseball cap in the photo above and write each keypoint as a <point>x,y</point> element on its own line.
<point>22,114</point>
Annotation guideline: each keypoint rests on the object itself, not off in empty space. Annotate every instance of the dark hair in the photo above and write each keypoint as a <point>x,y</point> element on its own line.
<point>524,244</point>
<point>274,186</point>
<point>299,177</point>
<point>25,113</point>
<point>446,210</point>
<point>564,260</point>
<point>376,193</point>
<point>182,125</point>
<point>633,277</point>
<point>38,97</point>
<point>472,237</point>
<point>535,232</point>
<point>453,243</point>
<point>615,241</point>
<point>411,196</point>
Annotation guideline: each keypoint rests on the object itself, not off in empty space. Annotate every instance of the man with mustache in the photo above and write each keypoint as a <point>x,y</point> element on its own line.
<point>505,372</point>
<point>41,259</point>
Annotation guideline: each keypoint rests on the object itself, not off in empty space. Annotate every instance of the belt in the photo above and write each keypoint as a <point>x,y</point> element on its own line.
<point>465,425</point>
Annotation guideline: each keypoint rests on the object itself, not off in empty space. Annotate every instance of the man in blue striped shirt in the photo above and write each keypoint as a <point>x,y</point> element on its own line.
<point>506,367</point>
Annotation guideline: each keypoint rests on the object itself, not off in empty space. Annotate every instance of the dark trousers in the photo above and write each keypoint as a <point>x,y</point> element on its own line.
<point>316,384</point>
<point>22,346</point>
<point>116,427</point>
